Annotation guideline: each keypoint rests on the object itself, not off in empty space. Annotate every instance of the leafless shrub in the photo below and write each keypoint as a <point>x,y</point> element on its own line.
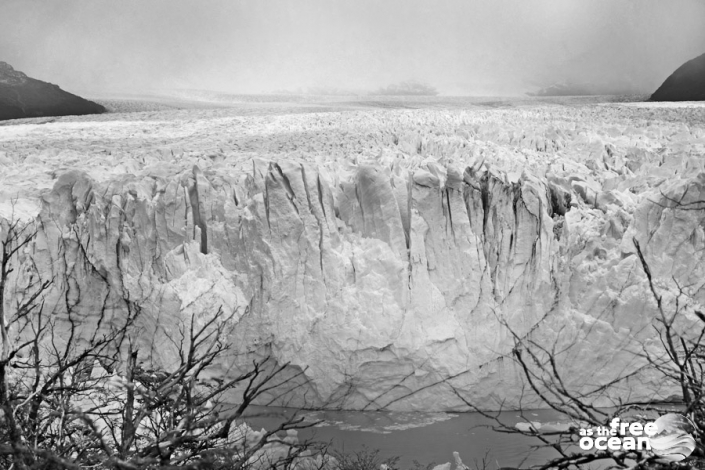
<point>74,394</point>
<point>677,361</point>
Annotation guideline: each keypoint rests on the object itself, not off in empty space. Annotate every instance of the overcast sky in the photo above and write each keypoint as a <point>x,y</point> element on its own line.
<point>459,46</point>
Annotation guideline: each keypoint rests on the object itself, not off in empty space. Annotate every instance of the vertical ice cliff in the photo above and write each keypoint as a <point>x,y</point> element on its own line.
<point>393,279</point>
<point>386,283</point>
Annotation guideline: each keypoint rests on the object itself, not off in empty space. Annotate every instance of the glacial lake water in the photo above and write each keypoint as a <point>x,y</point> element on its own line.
<point>426,437</point>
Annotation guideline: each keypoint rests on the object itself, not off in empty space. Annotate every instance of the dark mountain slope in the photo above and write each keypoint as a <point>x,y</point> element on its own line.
<point>23,97</point>
<point>687,83</point>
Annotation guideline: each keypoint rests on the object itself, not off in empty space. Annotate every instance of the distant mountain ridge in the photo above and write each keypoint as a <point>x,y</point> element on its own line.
<point>574,88</point>
<point>687,83</point>
<point>564,89</point>
<point>407,88</point>
<point>24,97</point>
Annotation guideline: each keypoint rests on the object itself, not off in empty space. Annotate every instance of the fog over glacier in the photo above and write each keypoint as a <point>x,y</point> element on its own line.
<point>476,47</point>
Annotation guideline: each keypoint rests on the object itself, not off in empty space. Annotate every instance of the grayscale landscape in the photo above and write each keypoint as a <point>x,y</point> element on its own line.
<point>389,273</point>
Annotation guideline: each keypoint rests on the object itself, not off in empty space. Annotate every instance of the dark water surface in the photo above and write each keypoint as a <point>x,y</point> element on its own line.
<point>425,437</point>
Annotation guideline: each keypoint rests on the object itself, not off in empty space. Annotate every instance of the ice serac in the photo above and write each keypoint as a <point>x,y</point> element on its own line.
<point>391,254</point>
<point>383,287</point>
<point>396,279</point>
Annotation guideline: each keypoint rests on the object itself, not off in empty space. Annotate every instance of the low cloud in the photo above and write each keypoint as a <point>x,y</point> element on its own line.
<point>459,47</point>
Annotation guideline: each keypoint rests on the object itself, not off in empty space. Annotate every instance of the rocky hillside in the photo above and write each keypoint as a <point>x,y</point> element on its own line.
<point>25,97</point>
<point>391,254</point>
<point>687,83</point>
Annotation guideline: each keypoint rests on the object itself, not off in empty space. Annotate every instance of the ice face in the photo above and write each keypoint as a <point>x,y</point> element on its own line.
<point>381,249</point>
